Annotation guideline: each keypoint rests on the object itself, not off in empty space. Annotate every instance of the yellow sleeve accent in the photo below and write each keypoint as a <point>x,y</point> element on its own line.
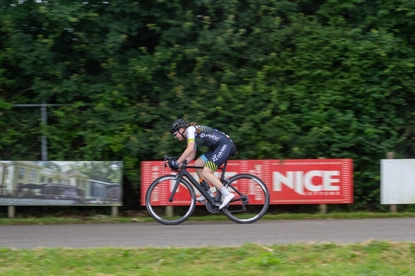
<point>191,140</point>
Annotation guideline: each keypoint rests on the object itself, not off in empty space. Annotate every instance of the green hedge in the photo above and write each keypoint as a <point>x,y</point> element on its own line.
<point>286,79</point>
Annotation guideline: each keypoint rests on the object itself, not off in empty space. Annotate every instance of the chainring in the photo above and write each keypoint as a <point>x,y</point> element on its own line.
<point>212,208</point>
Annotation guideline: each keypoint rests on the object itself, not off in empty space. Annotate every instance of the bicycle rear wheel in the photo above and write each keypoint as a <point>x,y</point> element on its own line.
<point>170,213</point>
<point>251,199</point>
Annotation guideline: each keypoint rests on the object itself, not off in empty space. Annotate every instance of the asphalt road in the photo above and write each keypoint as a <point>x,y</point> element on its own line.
<point>190,234</point>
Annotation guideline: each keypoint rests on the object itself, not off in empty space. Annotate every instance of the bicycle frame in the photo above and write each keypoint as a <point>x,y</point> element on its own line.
<point>184,172</point>
<point>249,212</point>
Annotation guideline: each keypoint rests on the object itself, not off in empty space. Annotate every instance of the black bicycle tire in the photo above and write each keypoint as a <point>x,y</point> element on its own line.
<point>158,218</point>
<point>264,208</point>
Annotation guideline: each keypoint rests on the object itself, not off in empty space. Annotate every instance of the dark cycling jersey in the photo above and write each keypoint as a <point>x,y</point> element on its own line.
<point>208,137</point>
<point>220,145</point>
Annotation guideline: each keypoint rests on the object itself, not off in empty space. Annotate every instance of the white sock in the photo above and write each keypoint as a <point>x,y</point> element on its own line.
<point>224,191</point>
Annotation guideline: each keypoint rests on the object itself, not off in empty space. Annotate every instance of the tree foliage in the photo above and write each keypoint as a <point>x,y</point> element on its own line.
<point>286,79</point>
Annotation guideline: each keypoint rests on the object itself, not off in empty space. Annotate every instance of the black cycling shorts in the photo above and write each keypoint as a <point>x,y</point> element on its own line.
<point>214,158</point>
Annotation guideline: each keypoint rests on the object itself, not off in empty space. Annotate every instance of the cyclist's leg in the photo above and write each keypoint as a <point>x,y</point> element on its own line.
<point>204,158</point>
<point>215,159</point>
<point>218,157</point>
<point>200,162</point>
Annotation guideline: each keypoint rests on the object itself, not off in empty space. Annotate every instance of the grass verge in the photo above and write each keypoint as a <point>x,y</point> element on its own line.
<point>369,258</point>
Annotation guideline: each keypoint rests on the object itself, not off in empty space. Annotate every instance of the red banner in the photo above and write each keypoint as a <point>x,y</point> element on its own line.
<point>301,181</point>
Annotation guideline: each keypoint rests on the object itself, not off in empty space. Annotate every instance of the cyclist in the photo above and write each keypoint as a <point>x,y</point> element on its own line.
<point>221,147</point>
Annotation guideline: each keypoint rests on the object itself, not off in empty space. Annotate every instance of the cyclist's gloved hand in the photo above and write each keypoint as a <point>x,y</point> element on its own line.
<point>173,164</point>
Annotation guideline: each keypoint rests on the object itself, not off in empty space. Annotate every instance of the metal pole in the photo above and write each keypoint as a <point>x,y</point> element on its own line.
<point>44,117</point>
<point>44,139</point>
<point>2,178</point>
<point>393,208</point>
<point>114,211</point>
<point>11,211</point>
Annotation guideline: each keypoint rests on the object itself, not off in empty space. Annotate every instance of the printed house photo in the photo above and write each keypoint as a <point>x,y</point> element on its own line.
<point>61,183</point>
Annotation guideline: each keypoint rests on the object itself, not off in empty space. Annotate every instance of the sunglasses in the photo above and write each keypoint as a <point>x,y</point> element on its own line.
<point>174,134</point>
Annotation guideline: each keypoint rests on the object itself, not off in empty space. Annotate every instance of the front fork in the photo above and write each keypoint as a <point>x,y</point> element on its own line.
<point>176,185</point>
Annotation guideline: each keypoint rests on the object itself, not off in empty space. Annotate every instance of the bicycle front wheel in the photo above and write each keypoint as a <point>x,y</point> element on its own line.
<point>251,199</point>
<point>176,211</point>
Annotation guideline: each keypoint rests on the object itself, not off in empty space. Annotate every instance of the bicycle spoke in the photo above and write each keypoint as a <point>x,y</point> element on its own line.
<point>254,202</point>
<point>165,212</point>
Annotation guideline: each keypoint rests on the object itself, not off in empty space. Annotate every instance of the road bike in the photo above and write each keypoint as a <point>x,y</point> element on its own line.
<point>250,203</point>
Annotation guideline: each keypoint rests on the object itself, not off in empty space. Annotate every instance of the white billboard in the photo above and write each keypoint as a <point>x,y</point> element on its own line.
<point>397,181</point>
